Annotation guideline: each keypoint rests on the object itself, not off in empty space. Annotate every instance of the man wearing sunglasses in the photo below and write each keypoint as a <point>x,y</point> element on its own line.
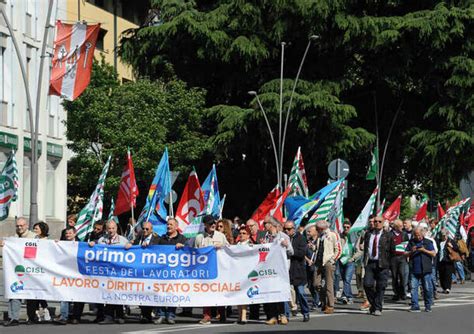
<point>377,255</point>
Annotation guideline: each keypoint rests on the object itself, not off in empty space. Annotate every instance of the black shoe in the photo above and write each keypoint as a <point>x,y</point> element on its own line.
<point>120,321</point>
<point>97,320</point>
<point>11,322</point>
<point>294,313</point>
<point>60,321</point>
<point>395,298</point>
<point>74,321</point>
<point>106,321</point>
<point>305,318</point>
<point>146,321</point>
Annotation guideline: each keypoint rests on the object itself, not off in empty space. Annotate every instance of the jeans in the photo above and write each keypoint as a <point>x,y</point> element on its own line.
<point>459,268</point>
<point>167,312</point>
<point>434,273</point>
<point>399,266</point>
<point>347,271</point>
<point>337,277</point>
<point>301,299</point>
<point>425,281</point>
<point>375,282</point>
<point>14,307</point>
<point>64,309</point>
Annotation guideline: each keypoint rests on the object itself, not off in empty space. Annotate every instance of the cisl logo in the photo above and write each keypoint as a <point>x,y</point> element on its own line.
<point>255,275</point>
<point>20,271</point>
<point>30,250</point>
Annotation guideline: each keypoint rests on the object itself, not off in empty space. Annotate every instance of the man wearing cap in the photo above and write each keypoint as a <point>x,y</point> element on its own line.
<point>210,237</point>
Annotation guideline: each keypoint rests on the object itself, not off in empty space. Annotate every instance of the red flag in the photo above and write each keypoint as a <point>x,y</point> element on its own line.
<point>441,211</point>
<point>128,191</point>
<point>265,207</point>
<point>72,61</point>
<point>421,214</point>
<point>469,217</point>
<point>191,202</point>
<point>277,210</point>
<point>393,211</point>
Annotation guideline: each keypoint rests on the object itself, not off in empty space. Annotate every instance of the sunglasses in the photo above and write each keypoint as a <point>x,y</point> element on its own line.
<point>379,221</point>
<point>220,226</point>
<point>147,229</point>
<point>288,228</point>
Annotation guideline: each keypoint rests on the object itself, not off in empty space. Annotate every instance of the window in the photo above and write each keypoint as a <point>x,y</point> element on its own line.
<point>26,184</point>
<point>100,40</point>
<point>50,187</point>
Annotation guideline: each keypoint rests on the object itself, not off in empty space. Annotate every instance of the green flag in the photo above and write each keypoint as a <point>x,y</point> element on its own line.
<point>372,172</point>
<point>9,185</point>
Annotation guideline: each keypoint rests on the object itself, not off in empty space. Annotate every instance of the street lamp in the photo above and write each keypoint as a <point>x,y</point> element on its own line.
<point>254,93</point>
<point>282,135</point>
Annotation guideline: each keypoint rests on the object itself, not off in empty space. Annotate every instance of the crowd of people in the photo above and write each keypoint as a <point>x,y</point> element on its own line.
<point>406,250</point>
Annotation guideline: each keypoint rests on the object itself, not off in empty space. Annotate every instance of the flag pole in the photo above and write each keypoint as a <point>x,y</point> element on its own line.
<point>377,170</point>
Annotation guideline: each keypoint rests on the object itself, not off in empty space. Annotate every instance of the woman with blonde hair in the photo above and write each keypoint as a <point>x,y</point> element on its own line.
<point>225,226</point>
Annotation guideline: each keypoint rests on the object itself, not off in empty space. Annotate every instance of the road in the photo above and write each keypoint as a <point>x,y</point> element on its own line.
<point>453,313</point>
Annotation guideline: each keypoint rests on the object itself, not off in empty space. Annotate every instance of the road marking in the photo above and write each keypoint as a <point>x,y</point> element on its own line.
<point>176,329</point>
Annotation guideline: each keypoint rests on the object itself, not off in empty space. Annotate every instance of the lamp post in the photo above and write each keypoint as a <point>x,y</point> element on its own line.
<point>278,152</point>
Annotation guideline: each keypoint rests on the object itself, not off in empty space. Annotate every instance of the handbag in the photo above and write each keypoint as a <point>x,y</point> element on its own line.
<point>453,255</point>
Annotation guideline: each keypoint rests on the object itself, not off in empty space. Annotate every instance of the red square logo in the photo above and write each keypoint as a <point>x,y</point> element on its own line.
<point>30,252</point>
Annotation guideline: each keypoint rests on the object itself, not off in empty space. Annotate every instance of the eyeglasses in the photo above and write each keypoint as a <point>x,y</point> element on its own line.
<point>347,227</point>
<point>288,228</point>
<point>147,229</point>
<point>17,226</point>
<point>379,221</point>
<point>220,226</point>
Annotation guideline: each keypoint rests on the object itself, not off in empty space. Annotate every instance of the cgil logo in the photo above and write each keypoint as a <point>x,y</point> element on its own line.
<point>253,291</point>
<point>30,250</point>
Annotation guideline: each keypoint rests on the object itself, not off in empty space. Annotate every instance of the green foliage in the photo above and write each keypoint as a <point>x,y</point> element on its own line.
<point>144,116</point>
<point>383,55</point>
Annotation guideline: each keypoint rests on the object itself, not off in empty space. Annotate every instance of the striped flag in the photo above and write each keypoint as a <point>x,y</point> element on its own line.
<point>92,212</point>
<point>401,247</point>
<point>380,210</point>
<point>9,185</point>
<point>72,61</point>
<point>111,212</point>
<point>327,207</point>
<point>297,180</point>
<point>338,219</point>
<point>359,225</point>
<point>450,221</point>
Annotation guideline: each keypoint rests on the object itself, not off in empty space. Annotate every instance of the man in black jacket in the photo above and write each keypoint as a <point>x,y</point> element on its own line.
<point>377,253</point>
<point>146,238</point>
<point>297,267</point>
<point>398,262</point>
<point>172,237</point>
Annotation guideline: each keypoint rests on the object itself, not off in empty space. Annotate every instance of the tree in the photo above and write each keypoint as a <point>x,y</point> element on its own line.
<point>144,116</point>
<point>381,55</point>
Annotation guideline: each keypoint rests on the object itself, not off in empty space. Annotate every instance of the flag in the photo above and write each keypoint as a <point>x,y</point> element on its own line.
<point>380,210</point>
<point>297,180</point>
<point>277,210</point>
<point>327,206</point>
<point>356,229</point>
<point>128,190</point>
<point>307,207</point>
<point>92,212</point>
<point>9,182</point>
<point>372,171</point>
<point>440,211</point>
<point>191,202</point>
<point>470,217</point>
<point>72,60</point>
<point>221,209</point>
<point>210,190</point>
<point>450,221</point>
<point>336,218</point>
<point>111,212</point>
<point>264,208</point>
<point>393,212</point>
<point>401,247</point>
<point>155,210</point>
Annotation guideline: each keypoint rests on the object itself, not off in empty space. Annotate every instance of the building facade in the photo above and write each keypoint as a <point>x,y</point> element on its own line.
<point>28,19</point>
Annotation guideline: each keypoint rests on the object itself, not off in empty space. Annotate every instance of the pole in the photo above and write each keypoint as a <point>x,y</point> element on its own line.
<point>386,144</point>
<point>35,131</point>
<point>280,113</point>
<point>23,75</point>
<point>377,172</point>
<point>78,10</point>
<point>115,36</point>
<point>287,117</point>
<point>271,135</point>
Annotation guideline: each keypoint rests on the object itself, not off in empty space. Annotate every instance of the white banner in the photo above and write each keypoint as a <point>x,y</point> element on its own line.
<point>155,276</point>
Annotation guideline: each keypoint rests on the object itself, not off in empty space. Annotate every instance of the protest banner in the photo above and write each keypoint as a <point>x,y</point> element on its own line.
<point>154,276</point>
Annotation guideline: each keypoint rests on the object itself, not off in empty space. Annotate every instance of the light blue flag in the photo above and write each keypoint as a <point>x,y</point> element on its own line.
<point>155,210</point>
<point>210,189</point>
<point>306,208</point>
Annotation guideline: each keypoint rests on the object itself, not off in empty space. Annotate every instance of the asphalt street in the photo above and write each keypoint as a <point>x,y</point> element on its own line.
<point>453,313</point>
